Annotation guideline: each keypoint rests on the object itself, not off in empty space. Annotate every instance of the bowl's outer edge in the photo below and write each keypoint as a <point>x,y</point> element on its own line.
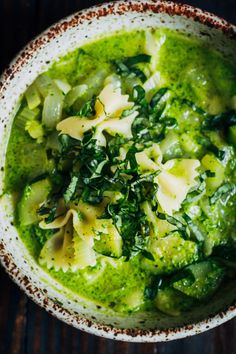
<point>99,11</point>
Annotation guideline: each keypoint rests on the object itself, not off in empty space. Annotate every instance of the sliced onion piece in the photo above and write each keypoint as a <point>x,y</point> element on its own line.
<point>52,109</point>
<point>45,85</point>
<point>75,93</point>
<point>64,86</point>
<point>32,97</point>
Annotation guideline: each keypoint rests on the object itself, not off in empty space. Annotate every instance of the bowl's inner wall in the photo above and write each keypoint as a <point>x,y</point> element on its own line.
<point>12,251</point>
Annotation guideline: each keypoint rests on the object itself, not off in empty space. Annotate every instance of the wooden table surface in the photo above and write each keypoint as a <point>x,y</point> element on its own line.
<point>24,327</point>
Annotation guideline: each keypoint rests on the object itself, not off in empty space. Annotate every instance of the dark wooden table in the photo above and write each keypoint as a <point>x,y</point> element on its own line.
<point>24,327</point>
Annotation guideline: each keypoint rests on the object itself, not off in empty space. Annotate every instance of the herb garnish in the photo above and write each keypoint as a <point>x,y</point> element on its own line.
<point>70,191</point>
<point>88,109</point>
<point>127,66</point>
<point>225,190</point>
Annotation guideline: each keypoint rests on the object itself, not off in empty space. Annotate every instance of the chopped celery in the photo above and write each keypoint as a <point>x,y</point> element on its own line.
<point>63,86</point>
<point>87,89</point>
<point>26,115</point>
<point>45,85</point>
<point>211,163</point>
<point>53,101</point>
<point>128,83</point>
<point>113,79</point>
<point>166,259</point>
<point>189,144</point>
<point>35,130</point>
<point>132,301</point>
<point>152,83</point>
<point>94,83</point>
<point>32,97</point>
<point>170,146</point>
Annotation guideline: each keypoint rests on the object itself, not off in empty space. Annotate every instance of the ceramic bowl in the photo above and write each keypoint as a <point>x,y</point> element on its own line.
<point>62,37</point>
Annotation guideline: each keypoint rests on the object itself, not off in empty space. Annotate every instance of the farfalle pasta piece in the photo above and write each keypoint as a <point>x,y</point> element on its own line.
<point>159,228</point>
<point>84,255</point>
<point>149,159</point>
<point>176,177</point>
<point>111,102</point>
<point>115,126</point>
<point>79,228</point>
<point>109,105</point>
<point>59,222</point>
<point>58,251</point>
<point>174,182</point>
<point>69,248</point>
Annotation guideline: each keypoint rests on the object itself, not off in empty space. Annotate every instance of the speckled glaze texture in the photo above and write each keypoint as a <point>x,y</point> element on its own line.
<point>65,36</point>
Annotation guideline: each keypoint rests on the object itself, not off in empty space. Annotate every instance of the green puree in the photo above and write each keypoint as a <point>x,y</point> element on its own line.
<point>188,93</point>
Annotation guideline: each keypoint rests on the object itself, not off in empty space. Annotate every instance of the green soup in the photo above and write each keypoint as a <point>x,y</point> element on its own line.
<point>122,160</point>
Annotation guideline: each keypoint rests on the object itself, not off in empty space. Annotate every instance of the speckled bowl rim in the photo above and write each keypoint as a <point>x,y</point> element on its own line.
<point>99,11</point>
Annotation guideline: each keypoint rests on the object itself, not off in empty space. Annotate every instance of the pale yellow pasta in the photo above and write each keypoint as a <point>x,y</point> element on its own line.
<point>176,177</point>
<point>115,126</point>
<point>175,181</point>
<point>84,255</point>
<point>74,242</point>
<point>58,251</point>
<point>111,102</point>
<point>160,228</point>
<point>149,159</point>
<point>109,106</point>
<point>59,222</point>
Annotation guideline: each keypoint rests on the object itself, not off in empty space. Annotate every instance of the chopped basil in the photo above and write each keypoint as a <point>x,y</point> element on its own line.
<point>48,209</point>
<point>151,290</point>
<point>127,68</point>
<point>158,96</point>
<point>181,225</point>
<point>141,58</point>
<point>70,191</point>
<point>206,142</point>
<point>88,109</point>
<point>67,142</point>
<point>220,121</point>
<point>225,190</point>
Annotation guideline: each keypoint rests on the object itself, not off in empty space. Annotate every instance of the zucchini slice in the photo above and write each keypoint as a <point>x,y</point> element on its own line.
<point>203,280</point>
<point>109,244</point>
<point>172,302</point>
<point>33,196</point>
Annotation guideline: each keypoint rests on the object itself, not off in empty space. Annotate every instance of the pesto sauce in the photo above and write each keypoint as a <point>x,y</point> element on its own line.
<point>193,72</point>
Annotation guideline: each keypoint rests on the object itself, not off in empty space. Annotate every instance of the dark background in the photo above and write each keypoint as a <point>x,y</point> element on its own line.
<point>24,327</point>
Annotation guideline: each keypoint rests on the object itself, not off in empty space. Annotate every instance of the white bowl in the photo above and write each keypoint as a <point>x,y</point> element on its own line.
<point>65,36</point>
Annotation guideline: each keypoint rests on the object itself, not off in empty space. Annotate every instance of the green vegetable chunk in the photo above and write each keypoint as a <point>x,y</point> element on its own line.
<point>203,280</point>
<point>171,252</point>
<point>172,302</point>
<point>109,245</point>
<point>32,96</point>
<point>33,196</point>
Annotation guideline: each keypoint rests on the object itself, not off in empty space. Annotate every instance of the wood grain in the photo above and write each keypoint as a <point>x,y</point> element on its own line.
<point>24,327</point>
